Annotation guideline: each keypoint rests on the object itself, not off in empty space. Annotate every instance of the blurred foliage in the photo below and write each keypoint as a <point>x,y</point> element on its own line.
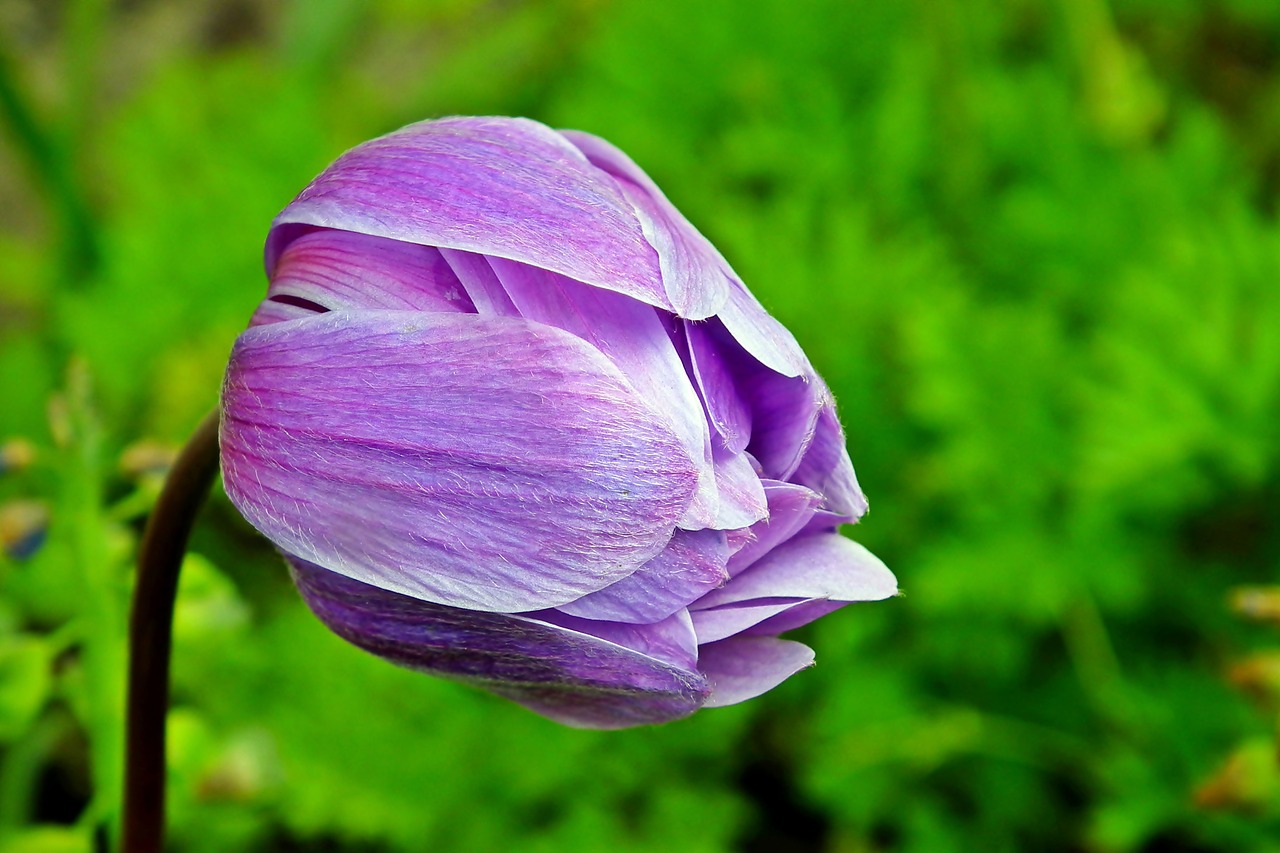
<point>1032,245</point>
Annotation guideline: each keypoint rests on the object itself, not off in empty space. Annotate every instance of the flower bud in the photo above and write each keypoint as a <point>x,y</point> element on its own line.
<point>512,420</point>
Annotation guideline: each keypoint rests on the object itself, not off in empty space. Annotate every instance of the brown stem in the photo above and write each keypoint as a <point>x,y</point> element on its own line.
<point>164,544</point>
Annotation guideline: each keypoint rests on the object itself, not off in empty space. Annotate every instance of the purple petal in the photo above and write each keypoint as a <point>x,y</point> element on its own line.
<point>631,334</point>
<point>827,469</point>
<point>726,409</point>
<point>339,270</point>
<point>790,508</point>
<point>741,495</point>
<point>817,566</point>
<point>826,521</point>
<point>481,462</point>
<point>570,676</point>
<point>794,617</point>
<point>670,639</point>
<point>510,188</point>
<point>761,335</point>
<point>691,564</point>
<point>742,668</point>
<point>695,274</point>
<point>739,539</point>
<point>720,623</point>
<point>741,393</point>
<point>481,283</point>
<point>784,416</point>
<point>273,311</point>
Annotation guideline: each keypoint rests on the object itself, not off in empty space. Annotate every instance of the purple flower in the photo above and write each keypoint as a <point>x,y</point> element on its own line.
<point>513,421</point>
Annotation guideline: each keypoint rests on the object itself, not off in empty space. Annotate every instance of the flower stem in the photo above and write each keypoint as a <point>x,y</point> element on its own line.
<point>150,635</point>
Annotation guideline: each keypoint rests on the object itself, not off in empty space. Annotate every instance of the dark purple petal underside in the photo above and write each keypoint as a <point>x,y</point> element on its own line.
<point>571,677</point>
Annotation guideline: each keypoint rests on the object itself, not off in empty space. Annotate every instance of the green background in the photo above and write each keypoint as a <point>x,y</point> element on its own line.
<point>1032,245</point>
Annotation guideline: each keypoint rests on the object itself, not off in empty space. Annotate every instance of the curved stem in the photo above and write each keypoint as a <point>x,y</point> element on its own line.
<point>150,634</point>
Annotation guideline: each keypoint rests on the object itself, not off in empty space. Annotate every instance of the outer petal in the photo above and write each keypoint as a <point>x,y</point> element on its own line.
<point>511,188</point>
<point>691,564</point>
<point>570,676</point>
<point>489,463</point>
<point>742,668</point>
<point>695,274</point>
<point>761,335</point>
<point>816,566</point>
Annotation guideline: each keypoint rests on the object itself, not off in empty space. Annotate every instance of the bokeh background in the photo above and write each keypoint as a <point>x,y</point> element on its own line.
<point>1032,245</point>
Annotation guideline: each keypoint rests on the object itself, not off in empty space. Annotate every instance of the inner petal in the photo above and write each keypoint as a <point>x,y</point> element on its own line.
<point>336,270</point>
<point>692,564</point>
<point>632,336</point>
